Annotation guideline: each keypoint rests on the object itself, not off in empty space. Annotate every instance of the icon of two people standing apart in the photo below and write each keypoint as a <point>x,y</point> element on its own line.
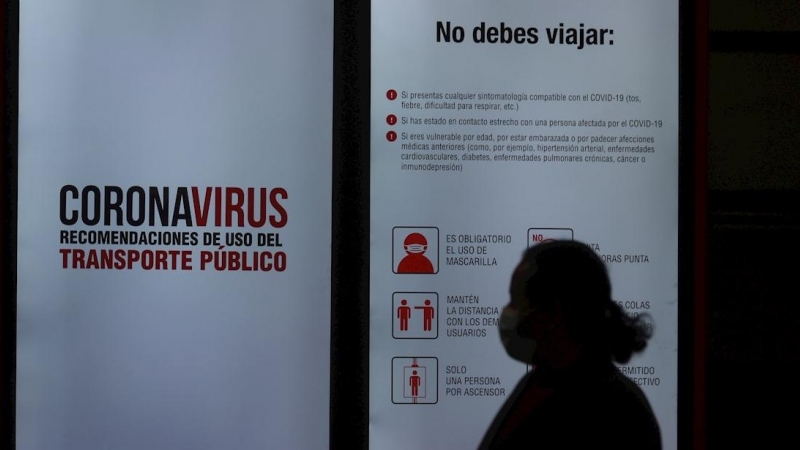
<point>404,313</point>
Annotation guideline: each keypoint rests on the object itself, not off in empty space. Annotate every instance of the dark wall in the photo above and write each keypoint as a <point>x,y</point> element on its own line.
<point>754,223</point>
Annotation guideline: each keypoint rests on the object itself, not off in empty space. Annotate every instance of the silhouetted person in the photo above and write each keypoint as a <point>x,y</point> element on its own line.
<point>562,321</point>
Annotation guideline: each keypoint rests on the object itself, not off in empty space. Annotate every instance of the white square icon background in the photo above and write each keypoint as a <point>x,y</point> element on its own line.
<point>422,256</point>
<point>415,315</point>
<point>415,380</point>
<point>541,235</point>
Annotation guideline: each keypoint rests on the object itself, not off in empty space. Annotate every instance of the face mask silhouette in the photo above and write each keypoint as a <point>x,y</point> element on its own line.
<point>416,248</point>
<point>518,347</point>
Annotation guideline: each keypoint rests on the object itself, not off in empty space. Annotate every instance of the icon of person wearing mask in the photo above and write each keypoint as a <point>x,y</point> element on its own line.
<point>562,321</point>
<point>415,260</point>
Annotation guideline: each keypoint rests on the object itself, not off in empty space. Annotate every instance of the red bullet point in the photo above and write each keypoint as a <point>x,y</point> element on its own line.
<point>391,94</point>
<point>391,119</point>
<point>391,136</point>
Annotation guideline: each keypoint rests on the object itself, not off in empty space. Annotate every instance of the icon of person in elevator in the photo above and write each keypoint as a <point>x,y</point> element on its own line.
<point>414,381</point>
<point>415,260</point>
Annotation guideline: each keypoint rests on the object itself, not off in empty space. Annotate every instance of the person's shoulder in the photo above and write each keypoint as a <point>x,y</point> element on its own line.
<point>629,405</point>
<point>622,385</point>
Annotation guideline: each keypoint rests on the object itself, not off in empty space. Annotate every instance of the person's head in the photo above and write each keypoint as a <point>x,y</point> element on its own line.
<point>415,243</point>
<point>561,308</point>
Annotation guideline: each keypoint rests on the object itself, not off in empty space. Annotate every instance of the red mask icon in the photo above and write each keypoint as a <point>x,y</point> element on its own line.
<point>415,243</point>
